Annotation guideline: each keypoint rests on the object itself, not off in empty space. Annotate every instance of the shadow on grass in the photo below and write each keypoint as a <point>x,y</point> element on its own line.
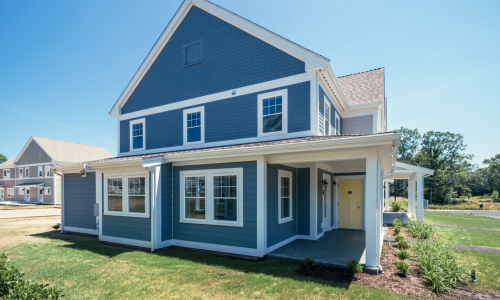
<point>271,268</point>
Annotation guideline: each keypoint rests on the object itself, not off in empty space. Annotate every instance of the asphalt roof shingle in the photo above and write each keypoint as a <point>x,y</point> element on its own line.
<point>62,151</point>
<point>363,87</point>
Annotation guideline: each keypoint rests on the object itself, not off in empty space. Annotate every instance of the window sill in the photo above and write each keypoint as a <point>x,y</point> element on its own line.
<point>285,220</point>
<point>213,223</point>
<point>128,215</point>
<point>272,133</point>
<point>139,149</point>
<point>194,143</point>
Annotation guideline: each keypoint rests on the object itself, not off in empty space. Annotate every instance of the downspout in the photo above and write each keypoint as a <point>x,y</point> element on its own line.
<point>63,217</point>
<point>379,182</point>
<point>153,199</point>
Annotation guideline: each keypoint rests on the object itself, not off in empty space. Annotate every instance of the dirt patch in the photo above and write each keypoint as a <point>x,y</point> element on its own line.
<point>17,231</point>
<point>393,281</point>
<point>15,207</point>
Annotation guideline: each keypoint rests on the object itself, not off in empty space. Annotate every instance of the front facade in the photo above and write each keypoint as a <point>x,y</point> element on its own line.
<point>7,180</point>
<point>233,139</point>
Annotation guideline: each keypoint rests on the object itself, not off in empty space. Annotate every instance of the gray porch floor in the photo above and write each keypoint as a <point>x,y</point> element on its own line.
<point>334,249</point>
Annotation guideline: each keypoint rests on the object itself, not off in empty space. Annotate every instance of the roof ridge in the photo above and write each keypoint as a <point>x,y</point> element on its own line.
<point>39,137</point>
<point>361,72</point>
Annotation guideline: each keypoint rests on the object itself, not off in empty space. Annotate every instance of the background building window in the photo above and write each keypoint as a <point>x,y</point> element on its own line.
<point>192,54</point>
<point>10,193</point>
<point>40,171</point>
<point>47,171</point>
<point>21,173</point>
<point>47,191</point>
<point>27,172</point>
<point>20,191</point>
<point>6,174</point>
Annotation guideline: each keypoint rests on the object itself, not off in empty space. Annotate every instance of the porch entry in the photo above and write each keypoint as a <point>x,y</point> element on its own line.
<point>351,204</point>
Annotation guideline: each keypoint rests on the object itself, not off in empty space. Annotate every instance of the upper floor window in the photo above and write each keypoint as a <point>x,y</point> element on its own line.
<point>6,174</point>
<point>273,113</point>
<point>27,172</point>
<point>138,135</point>
<point>47,171</point>
<point>192,54</point>
<point>194,125</point>
<point>327,118</point>
<point>21,173</point>
<point>40,171</point>
<point>284,196</point>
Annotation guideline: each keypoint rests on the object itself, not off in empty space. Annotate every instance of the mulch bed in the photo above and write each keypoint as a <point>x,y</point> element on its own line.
<point>393,281</point>
<point>404,232</point>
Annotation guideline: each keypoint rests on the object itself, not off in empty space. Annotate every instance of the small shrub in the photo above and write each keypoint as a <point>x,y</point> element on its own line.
<point>57,226</point>
<point>398,238</point>
<point>494,195</point>
<point>310,262</point>
<point>403,254</point>
<point>402,266</point>
<point>397,229</point>
<point>14,286</point>
<point>396,222</point>
<point>438,264</point>
<point>469,195</point>
<point>354,266</point>
<point>403,245</point>
<point>395,206</point>
<point>420,229</point>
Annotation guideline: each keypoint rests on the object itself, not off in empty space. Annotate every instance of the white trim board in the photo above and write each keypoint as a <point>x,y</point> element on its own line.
<point>311,59</point>
<point>124,241</point>
<point>81,230</point>
<point>282,243</point>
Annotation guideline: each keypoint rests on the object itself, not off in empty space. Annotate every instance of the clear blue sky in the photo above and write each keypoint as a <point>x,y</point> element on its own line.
<point>64,63</point>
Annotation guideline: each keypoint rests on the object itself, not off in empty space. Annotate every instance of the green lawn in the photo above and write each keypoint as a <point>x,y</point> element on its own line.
<point>456,215</point>
<point>464,220</point>
<point>470,237</point>
<point>487,266</point>
<point>87,269</point>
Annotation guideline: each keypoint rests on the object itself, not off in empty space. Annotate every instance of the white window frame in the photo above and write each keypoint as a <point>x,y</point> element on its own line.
<point>10,193</point>
<point>20,191</point>
<point>284,112</point>
<point>47,190</point>
<point>288,174</point>
<point>125,205</point>
<point>27,172</point>
<point>21,173</point>
<point>209,196</point>
<point>1,194</point>
<point>40,170</point>
<point>131,132</point>
<point>200,109</point>
<point>5,172</point>
<point>337,118</point>
<point>326,104</point>
<point>48,169</point>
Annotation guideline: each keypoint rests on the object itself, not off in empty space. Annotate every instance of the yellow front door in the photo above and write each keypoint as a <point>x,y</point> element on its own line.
<point>350,204</point>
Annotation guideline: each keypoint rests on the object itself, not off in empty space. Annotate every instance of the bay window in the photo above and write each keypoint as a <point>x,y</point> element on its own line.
<point>212,197</point>
<point>127,195</point>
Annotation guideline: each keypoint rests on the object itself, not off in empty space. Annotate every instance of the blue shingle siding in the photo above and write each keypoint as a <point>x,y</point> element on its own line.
<point>232,58</point>
<point>303,201</point>
<point>127,227</point>
<point>245,236</point>
<point>228,119</point>
<point>322,95</point>
<point>320,199</point>
<point>166,201</point>
<point>276,232</point>
<point>79,200</point>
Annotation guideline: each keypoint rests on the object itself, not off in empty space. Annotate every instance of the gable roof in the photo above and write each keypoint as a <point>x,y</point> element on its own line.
<point>62,151</point>
<point>312,60</point>
<point>363,87</point>
<point>8,164</point>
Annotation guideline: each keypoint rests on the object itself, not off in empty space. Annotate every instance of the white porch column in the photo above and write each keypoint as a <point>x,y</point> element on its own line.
<point>387,194</point>
<point>420,196</point>
<point>411,199</point>
<point>371,209</point>
<point>261,205</point>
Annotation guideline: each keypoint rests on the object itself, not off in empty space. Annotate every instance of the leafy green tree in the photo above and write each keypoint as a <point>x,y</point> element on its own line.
<point>3,158</point>
<point>409,145</point>
<point>493,172</point>
<point>494,195</point>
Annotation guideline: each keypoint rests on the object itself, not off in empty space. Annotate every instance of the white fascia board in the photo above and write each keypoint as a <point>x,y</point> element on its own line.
<point>152,161</point>
<point>331,96</point>
<point>413,168</point>
<point>331,74</point>
<point>311,59</point>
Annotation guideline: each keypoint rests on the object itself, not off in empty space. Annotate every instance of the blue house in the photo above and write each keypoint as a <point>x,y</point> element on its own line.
<point>234,139</point>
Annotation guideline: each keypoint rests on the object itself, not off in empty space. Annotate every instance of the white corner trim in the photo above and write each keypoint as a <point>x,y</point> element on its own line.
<point>280,244</point>
<point>131,123</point>
<point>288,174</point>
<point>81,230</point>
<point>201,110</point>
<point>284,112</point>
<point>124,241</point>
<point>164,244</point>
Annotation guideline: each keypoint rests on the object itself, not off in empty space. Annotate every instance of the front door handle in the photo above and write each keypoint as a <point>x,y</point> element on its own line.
<point>359,206</point>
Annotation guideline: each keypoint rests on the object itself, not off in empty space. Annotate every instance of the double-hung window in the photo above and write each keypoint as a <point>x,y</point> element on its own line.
<point>10,193</point>
<point>40,171</point>
<point>138,135</point>
<point>194,125</point>
<point>273,113</point>
<point>285,203</point>
<point>47,190</point>
<point>27,172</point>
<point>127,194</point>
<point>212,197</point>
<point>20,191</point>
<point>21,173</point>
<point>327,118</point>
<point>6,174</point>
<point>47,171</point>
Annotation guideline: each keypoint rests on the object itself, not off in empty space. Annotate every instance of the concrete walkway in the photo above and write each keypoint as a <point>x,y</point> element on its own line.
<point>463,227</point>
<point>29,213</point>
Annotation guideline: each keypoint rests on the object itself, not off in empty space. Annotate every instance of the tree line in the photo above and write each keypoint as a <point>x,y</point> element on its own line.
<point>455,175</point>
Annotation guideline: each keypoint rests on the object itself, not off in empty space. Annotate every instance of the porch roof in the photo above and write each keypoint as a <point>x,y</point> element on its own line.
<point>407,171</point>
<point>30,184</point>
